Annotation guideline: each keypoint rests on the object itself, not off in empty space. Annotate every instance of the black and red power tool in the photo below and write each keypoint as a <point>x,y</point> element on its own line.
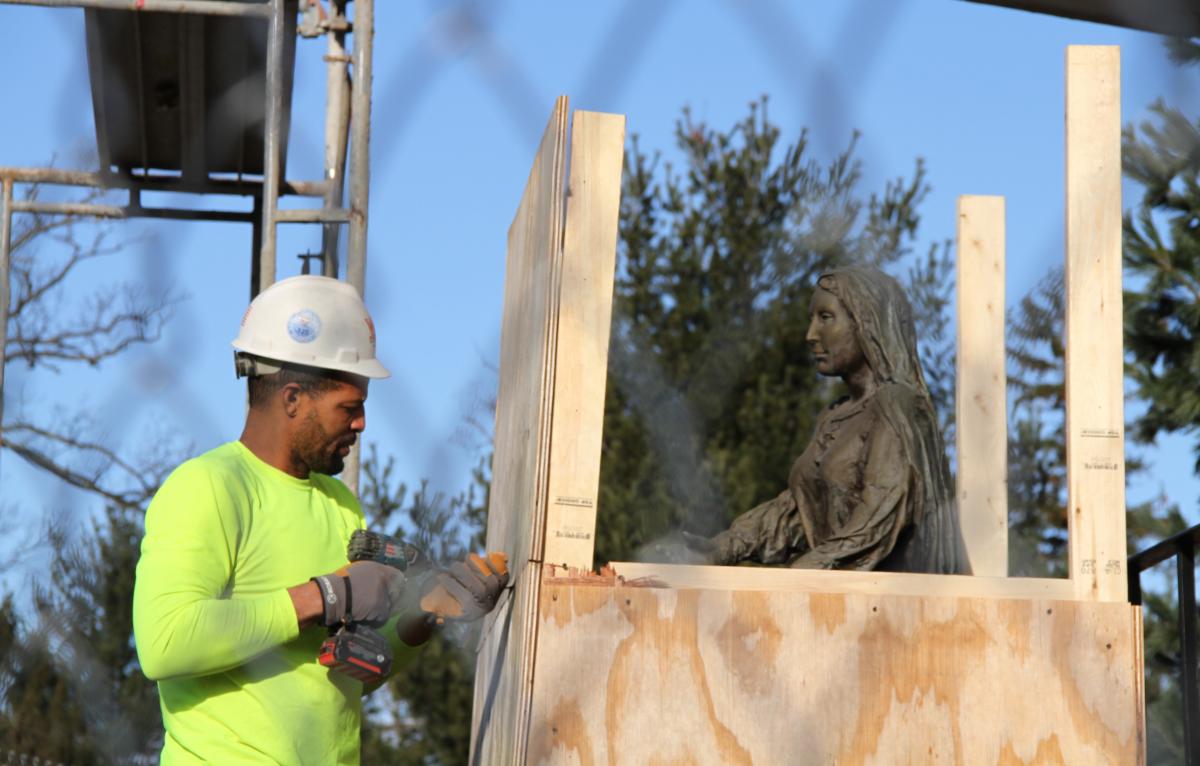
<point>358,650</point>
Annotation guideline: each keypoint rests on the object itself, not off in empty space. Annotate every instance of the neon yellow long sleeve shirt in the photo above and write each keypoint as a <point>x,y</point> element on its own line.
<point>239,683</point>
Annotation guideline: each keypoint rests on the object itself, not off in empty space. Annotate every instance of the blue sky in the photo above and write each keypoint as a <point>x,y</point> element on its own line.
<point>461,99</point>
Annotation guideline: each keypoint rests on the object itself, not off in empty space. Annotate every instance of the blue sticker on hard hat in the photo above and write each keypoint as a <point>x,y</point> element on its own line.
<point>304,326</point>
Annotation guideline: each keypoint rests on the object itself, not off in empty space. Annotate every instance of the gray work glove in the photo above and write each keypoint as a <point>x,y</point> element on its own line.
<point>363,592</point>
<point>467,590</point>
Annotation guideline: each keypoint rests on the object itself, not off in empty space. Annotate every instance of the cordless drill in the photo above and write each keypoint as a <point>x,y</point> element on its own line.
<point>361,652</point>
<point>357,650</point>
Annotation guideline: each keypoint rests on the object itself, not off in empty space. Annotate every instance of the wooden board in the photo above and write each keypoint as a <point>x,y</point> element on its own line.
<point>581,363</point>
<point>550,403</point>
<point>786,580</point>
<point>504,669</point>
<point>981,401</point>
<point>1095,422</point>
<point>654,676</point>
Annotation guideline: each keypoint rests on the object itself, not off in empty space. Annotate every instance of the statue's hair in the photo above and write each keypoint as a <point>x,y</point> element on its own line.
<point>883,323</point>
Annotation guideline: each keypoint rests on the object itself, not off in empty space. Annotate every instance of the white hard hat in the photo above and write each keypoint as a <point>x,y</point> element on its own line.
<point>308,320</point>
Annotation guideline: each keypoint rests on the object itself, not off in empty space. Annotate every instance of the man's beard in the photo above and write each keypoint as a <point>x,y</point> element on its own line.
<point>317,450</point>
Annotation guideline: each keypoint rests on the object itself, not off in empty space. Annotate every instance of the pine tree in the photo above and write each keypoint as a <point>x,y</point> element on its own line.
<point>1162,255</point>
<point>1037,479</point>
<point>1162,331</point>
<point>71,689</point>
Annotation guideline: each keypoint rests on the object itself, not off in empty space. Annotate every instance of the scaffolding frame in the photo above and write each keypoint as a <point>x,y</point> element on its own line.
<point>347,138</point>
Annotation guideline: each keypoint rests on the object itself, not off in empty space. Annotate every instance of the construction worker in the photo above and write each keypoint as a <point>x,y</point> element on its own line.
<point>243,567</point>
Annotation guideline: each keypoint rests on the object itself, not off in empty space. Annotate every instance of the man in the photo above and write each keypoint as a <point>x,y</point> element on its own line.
<point>243,569</point>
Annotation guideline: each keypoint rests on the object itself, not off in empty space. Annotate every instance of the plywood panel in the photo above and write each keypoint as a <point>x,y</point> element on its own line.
<point>553,361</point>
<point>1094,366</point>
<point>981,398</point>
<point>819,581</point>
<point>655,676</point>
<point>581,362</point>
<point>504,669</point>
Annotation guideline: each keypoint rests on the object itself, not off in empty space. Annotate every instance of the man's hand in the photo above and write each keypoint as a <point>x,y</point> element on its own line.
<point>363,592</point>
<point>467,590</point>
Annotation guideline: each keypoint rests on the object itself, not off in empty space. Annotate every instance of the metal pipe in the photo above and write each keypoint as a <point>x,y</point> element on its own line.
<point>1185,563</point>
<point>213,8</point>
<point>360,138</point>
<point>130,211</point>
<point>141,94</point>
<point>255,245</point>
<point>360,179</point>
<point>6,198</point>
<point>326,215</point>
<point>60,177</point>
<point>272,143</point>
<point>337,132</point>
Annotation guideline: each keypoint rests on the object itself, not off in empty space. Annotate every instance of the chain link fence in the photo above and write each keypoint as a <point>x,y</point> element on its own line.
<point>163,398</point>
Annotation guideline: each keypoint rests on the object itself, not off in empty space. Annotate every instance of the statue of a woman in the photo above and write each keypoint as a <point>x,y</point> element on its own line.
<point>872,490</point>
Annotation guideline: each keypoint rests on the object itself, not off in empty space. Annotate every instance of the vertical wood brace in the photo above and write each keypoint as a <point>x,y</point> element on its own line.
<point>589,263</point>
<point>981,396</point>
<point>1095,421</point>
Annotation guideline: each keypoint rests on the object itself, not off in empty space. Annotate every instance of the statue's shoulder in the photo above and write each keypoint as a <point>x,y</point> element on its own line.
<point>897,395</point>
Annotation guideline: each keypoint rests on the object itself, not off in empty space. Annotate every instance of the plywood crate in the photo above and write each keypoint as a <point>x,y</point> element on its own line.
<point>662,664</point>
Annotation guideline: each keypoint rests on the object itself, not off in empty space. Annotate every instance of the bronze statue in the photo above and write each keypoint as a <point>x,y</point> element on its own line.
<point>872,490</point>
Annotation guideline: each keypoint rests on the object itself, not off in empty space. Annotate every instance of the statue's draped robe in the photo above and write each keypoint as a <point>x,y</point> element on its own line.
<point>859,497</point>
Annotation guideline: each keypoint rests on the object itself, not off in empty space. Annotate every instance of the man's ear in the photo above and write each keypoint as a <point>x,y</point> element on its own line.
<point>290,396</point>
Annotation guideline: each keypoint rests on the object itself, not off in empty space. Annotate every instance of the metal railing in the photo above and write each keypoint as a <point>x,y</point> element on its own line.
<point>1183,548</point>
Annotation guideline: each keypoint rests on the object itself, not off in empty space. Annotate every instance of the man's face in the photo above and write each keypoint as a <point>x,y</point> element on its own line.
<point>328,425</point>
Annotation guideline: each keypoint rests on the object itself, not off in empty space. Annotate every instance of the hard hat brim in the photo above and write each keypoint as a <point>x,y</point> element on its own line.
<point>370,368</point>
<point>367,368</point>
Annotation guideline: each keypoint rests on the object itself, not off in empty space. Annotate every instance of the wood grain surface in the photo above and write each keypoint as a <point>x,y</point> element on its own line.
<point>581,361</point>
<point>550,403</point>
<point>517,505</point>
<point>1094,364</point>
<point>981,398</point>
<point>662,676</point>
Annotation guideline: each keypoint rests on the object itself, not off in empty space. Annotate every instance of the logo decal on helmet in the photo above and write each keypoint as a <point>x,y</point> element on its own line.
<point>304,326</point>
<point>371,329</point>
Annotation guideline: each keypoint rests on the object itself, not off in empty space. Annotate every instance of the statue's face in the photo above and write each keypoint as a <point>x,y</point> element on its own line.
<point>831,336</point>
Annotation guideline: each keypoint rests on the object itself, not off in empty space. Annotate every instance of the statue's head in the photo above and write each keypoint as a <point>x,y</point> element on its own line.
<point>879,324</point>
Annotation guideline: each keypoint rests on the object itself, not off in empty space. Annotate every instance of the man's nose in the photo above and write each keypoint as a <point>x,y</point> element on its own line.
<point>359,424</point>
<point>811,335</point>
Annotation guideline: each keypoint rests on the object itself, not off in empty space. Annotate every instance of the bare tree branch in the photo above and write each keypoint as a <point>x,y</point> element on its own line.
<point>50,328</point>
<point>110,322</point>
<point>74,478</point>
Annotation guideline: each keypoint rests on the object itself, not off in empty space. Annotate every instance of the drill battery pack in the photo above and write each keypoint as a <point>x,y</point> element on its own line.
<point>359,652</point>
